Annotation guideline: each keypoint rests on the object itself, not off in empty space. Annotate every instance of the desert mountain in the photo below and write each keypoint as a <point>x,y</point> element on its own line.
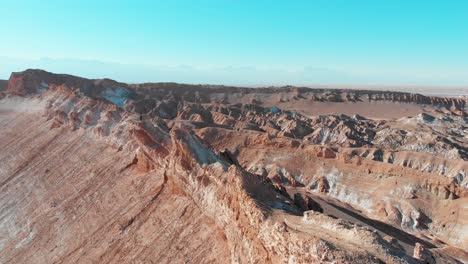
<point>98,171</point>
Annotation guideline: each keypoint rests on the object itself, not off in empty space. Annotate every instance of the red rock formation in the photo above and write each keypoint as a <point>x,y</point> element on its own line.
<point>99,171</point>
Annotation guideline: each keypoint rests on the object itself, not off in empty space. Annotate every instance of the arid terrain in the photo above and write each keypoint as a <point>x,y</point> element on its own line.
<point>97,171</point>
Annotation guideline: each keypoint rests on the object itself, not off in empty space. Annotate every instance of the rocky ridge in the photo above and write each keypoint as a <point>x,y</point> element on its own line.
<point>241,164</point>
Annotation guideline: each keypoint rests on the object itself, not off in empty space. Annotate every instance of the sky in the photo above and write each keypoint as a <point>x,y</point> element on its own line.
<point>244,42</point>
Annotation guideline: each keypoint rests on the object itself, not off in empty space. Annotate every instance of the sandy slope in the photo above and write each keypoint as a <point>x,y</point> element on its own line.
<point>67,198</point>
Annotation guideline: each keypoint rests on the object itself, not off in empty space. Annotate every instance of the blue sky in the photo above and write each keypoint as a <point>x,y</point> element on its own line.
<point>241,42</point>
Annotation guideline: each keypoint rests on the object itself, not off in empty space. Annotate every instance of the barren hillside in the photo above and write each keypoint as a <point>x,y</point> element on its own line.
<point>97,171</point>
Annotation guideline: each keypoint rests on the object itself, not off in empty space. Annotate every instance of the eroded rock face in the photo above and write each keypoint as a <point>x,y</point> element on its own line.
<point>95,171</point>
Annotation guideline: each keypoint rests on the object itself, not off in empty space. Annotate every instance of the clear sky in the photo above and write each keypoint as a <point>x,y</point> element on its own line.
<point>419,42</point>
